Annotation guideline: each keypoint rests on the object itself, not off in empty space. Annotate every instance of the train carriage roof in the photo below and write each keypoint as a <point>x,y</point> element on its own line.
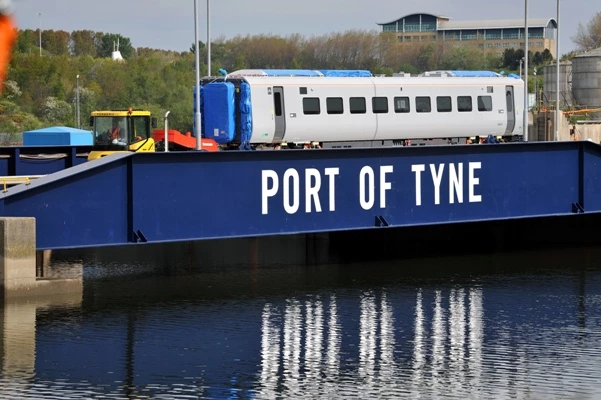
<point>358,81</point>
<point>302,72</point>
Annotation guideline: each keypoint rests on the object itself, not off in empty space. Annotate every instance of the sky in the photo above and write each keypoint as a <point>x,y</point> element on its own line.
<point>169,24</point>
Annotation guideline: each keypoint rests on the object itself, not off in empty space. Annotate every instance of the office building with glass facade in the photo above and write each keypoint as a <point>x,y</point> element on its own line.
<point>492,36</point>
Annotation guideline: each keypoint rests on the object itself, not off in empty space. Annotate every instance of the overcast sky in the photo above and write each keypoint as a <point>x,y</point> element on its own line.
<point>169,24</point>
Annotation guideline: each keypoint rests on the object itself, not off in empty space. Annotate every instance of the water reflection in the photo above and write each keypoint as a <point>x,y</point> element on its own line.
<point>331,332</point>
<point>446,353</point>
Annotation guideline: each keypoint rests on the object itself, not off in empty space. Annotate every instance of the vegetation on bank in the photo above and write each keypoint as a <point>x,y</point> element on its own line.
<point>41,88</point>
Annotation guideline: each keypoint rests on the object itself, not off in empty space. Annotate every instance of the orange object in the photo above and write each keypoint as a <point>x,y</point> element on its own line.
<point>184,141</point>
<point>8,36</point>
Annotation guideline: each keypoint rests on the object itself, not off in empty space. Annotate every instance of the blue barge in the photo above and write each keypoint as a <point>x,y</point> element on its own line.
<point>133,198</point>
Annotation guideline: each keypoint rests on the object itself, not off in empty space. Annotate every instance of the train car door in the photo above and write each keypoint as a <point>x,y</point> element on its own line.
<point>510,109</point>
<point>279,112</point>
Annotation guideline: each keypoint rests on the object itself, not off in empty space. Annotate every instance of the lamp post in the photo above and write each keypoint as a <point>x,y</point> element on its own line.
<point>208,38</point>
<point>526,71</point>
<point>557,77</point>
<point>197,82</point>
<point>535,89</point>
<point>77,96</point>
<point>40,34</point>
<point>167,131</point>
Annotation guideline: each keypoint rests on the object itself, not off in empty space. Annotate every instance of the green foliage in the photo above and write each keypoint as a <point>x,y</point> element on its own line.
<point>41,91</point>
<point>13,120</point>
<point>109,42</point>
<point>465,58</point>
<point>201,47</point>
<point>56,111</point>
<point>409,69</point>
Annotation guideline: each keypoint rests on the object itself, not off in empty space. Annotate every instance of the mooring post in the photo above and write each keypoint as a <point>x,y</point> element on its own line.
<point>17,255</point>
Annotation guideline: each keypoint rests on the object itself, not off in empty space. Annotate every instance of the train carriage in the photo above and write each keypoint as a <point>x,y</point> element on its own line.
<point>349,111</point>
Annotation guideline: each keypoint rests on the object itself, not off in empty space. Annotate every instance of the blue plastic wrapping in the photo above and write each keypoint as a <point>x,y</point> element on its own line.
<point>219,107</point>
<point>301,72</point>
<point>345,73</point>
<point>245,114</point>
<point>290,72</point>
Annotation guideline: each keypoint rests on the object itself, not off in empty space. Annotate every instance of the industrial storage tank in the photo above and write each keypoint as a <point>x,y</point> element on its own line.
<point>586,79</point>
<point>565,84</point>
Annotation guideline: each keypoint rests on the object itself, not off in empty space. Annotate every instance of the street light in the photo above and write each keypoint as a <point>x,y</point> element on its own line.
<point>535,89</point>
<point>77,95</point>
<point>208,38</point>
<point>557,77</point>
<point>40,34</point>
<point>197,82</point>
<point>526,71</point>
<point>167,131</point>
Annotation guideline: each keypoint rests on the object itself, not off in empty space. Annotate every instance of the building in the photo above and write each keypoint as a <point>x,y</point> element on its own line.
<point>492,36</point>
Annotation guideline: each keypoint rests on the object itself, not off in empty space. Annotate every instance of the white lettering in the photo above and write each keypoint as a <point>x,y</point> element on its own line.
<point>368,203</point>
<point>332,172</point>
<point>291,208</point>
<point>436,179</point>
<point>267,192</point>
<point>473,181</point>
<point>456,183</point>
<point>311,192</point>
<point>418,169</point>
<point>384,184</point>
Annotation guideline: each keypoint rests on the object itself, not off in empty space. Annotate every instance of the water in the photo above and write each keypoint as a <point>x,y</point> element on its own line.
<point>524,325</point>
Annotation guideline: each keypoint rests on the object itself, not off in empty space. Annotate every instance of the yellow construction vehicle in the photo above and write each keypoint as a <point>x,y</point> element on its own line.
<point>121,130</point>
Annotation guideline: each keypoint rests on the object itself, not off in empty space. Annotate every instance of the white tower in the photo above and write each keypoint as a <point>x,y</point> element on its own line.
<point>116,53</point>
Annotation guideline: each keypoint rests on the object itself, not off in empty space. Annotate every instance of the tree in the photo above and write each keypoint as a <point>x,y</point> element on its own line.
<point>82,43</point>
<point>589,38</point>
<point>201,46</point>
<point>108,43</point>
<point>56,110</point>
<point>56,42</point>
<point>26,41</point>
<point>547,56</point>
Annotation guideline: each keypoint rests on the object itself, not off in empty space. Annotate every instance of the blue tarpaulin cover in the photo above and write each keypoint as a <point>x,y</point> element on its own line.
<point>219,103</point>
<point>345,73</point>
<point>245,113</point>
<point>301,72</point>
<point>58,136</point>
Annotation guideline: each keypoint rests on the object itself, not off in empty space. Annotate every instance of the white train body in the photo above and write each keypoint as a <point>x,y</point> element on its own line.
<point>372,109</point>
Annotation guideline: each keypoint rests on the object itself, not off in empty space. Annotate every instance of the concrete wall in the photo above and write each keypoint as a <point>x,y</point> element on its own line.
<point>17,255</point>
<point>543,129</point>
<point>18,259</point>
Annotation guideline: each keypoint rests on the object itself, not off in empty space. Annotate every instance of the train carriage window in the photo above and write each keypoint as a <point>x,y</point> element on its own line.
<point>311,105</point>
<point>464,103</point>
<point>509,100</point>
<point>401,104</point>
<point>443,104</point>
<point>334,105</point>
<point>422,104</point>
<point>379,105</point>
<point>484,103</point>
<point>357,105</point>
<point>277,102</point>
<point>302,90</point>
